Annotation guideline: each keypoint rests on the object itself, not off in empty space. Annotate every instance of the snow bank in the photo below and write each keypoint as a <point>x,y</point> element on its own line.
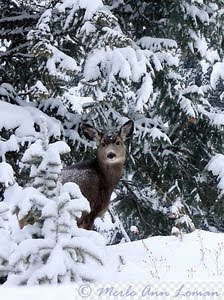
<point>198,256</point>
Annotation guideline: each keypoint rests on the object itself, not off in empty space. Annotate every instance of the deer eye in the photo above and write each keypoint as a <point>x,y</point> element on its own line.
<point>103,144</point>
<point>118,143</point>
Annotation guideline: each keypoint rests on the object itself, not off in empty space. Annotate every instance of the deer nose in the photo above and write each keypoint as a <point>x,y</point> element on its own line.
<point>111,155</point>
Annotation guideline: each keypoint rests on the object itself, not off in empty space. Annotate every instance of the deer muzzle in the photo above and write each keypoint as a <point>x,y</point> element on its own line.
<point>111,155</point>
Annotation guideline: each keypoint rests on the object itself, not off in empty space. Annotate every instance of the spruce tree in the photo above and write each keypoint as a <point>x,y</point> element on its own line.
<point>157,62</point>
<point>5,241</point>
<point>188,101</point>
<point>54,250</point>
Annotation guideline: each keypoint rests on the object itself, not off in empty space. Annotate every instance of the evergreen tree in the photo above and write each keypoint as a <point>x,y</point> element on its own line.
<point>157,62</point>
<point>5,241</point>
<point>54,249</point>
<point>115,71</point>
<point>188,100</point>
<point>17,18</point>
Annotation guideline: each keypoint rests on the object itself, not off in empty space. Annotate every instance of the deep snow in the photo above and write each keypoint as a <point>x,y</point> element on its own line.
<point>198,256</point>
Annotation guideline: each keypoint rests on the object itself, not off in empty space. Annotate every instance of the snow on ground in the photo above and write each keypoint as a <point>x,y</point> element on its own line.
<point>198,256</point>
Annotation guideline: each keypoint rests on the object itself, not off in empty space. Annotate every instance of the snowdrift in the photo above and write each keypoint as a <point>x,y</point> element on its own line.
<point>162,260</point>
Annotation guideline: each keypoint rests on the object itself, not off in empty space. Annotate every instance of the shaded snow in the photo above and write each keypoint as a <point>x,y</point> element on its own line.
<point>215,118</point>
<point>39,88</point>
<point>15,117</point>
<point>8,145</point>
<point>90,6</point>
<point>6,174</point>
<point>156,44</point>
<point>22,120</point>
<point>76,101</point>
<point>187,106</point>
<point>125,62</point>
<point>158,134</point>
<point>60,61</point>
<point>217,73</point>
<point>144,93</point>
<point>216,165</point>
<point>195,13</point>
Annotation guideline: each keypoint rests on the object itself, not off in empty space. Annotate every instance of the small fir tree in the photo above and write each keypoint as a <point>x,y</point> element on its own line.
<point>56,250</point>
<point>5,241</point>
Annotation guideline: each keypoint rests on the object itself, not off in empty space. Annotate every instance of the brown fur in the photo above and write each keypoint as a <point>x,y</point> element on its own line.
<point>98,177</point>
<point>96,184</point>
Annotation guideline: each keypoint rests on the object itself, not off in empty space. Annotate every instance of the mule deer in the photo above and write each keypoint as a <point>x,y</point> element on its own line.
<point>98,177</point>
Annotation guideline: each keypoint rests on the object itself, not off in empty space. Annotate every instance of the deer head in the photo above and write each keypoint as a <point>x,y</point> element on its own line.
<point>111,149</point>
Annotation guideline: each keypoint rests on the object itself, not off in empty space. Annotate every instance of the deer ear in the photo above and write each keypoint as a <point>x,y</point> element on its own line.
<point>127,129</point>
<point>91,133</point>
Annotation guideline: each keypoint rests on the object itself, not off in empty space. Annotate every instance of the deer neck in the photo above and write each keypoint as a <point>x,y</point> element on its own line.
<point>112,173</point>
